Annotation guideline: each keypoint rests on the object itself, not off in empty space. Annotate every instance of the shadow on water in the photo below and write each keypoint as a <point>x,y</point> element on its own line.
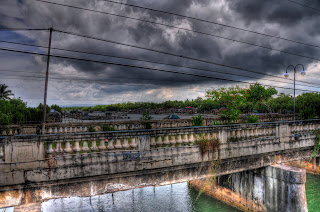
<point>177,197</point>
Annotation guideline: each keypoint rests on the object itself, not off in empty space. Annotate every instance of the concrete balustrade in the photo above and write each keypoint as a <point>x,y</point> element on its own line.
<point>252,134</point>
<point>63,128</point>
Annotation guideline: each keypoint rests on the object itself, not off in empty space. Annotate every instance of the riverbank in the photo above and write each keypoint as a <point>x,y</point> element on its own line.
<point>225,195</point>
<point>310,166</point>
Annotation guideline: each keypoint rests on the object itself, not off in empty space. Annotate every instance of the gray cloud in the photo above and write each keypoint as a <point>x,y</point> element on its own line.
<point>272,17</point>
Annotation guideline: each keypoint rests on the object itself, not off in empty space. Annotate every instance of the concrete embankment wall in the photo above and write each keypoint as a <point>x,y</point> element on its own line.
<point>273,189</point>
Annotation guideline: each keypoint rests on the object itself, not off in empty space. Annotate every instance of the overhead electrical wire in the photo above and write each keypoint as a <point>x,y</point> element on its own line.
<point>148,61</point>
<point>139,67</point>
<point>213,22</point>
<point>218,36</point>
<point>181,28</point>
<point>298,3</point>
<point>22,29</point>
<point>163,52</point>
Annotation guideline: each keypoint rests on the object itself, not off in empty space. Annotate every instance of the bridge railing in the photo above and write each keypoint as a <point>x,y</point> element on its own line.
<point>38,147</point>
<point>57,128</point>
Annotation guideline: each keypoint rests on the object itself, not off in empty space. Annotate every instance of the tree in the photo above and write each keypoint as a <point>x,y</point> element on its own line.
<point>258,93</point>
<point>4,93</point>
<point>308,105</point>
<point>231,98</point>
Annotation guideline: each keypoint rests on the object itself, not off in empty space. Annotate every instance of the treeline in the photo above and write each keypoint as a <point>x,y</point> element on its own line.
<point>15,111</point>
<point>307,105</point>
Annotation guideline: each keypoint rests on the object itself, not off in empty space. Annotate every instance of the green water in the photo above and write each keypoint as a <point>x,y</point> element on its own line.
<point>313,192</point>
<point>176,197</point>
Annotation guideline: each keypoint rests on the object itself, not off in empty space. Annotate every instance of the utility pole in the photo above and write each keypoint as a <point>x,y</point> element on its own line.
<point>46,85</point>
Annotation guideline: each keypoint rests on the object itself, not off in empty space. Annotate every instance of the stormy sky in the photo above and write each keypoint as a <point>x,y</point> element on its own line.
<point>75,82</point>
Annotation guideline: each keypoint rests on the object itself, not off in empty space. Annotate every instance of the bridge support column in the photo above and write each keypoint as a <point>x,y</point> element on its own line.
<point>273,188</point>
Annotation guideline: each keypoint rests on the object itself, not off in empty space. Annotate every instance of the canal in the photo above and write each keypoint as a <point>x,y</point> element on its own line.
<point>177,197</point>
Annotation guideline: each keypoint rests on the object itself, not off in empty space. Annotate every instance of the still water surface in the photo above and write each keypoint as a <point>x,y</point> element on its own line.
<point>177,197</point>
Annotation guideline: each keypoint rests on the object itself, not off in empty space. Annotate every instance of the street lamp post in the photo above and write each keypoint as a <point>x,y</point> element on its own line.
<point>303,72</point>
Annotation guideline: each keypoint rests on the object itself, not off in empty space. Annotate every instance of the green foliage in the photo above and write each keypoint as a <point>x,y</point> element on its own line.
<point>56,108</point>
<point>4,119</point>
<point>208,145</point>
<point>232,98</point>
<point>13,111</point>
<point>146,116</point>
<point>91,129</point>
<point>281,103</point>
<point>147,125</point>
<point>108,128</point>
<point>197,120</point>
<point>252,118</point>
<point>316,147</point>
<point>258,93</point>
<point>4,92</point>
<point>308,105</point>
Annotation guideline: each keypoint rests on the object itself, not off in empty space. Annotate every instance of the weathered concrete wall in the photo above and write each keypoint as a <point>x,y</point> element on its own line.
<point>274,188</point>
<point>154,157</point>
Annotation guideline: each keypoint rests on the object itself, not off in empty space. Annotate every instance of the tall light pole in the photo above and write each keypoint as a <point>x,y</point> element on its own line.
<point>303,72</point>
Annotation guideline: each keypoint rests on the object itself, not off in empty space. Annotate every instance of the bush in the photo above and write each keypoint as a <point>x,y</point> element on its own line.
<point>91,129</point>
<point>208,145</point>
<point>108,128</point>
<point>252,118</point>
<point>197,120</point>
<point>146,116</point>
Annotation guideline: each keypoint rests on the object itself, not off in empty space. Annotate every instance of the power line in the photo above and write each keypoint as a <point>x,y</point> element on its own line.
<point>212,22</point>
<point>148,61</point>
<point>166,53</point>
<point>21,29</point>
<point>181,28</point>
<point>140,67</point>
<point>184,16</point>
<point>316,9</point>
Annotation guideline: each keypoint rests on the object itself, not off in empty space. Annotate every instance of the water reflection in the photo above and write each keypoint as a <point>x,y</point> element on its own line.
<point>177,197</point>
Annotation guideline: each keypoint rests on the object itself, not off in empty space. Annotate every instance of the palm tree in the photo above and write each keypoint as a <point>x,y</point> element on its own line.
<point>4,93</point>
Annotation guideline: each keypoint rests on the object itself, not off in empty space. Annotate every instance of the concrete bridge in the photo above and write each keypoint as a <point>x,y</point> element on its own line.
<point>34,167</point>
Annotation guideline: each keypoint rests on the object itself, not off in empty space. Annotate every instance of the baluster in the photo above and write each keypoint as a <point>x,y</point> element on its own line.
<point>102,145</point>
<point>85,147</point>
<point>238,134</point>
<point>133,142</point>
<point>153,141</point>
<point>185,139</point>
<point>58,147</point>
<point>191,138</point>
<point>49,147</point>
<point>159,140</point>
<point>110,144</point>
<point>118,144</point>
<point>125,143</point>
<point>67,147</point>
<point>179,140</point>
<point>76,147</point>
<point>94,145</point>
<point>173,140</point>
<point>166,140</point>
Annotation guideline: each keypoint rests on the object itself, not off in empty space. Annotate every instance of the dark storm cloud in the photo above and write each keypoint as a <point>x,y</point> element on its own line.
<point>280,18</point>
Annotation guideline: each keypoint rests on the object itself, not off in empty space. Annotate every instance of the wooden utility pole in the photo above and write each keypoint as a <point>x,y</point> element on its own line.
<point>46,85</point>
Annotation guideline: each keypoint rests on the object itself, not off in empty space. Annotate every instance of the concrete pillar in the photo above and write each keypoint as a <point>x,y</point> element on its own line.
<point>274,188</point>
